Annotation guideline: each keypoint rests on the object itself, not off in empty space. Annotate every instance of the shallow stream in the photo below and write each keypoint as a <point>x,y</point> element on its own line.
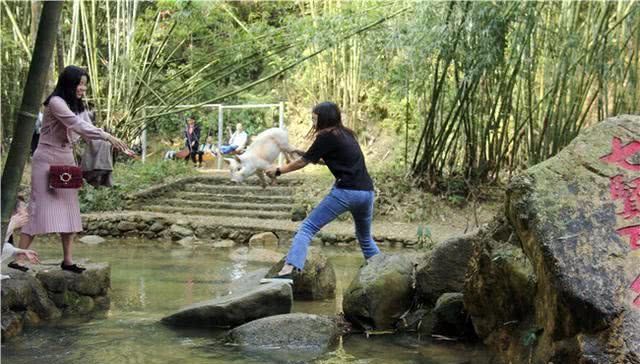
<point>150,280</point>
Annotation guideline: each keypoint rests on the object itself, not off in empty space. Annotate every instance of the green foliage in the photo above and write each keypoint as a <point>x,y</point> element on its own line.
<point>424,237</point>
<point>130,177</point>
<point>101,199</point>
<point>509,85</point>
<point>468,90</point>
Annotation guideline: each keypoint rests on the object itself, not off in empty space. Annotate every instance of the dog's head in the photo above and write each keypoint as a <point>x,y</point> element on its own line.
<point>240,169</point>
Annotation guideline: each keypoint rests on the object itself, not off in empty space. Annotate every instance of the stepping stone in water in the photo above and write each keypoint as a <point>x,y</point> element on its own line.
<point>235,309</point>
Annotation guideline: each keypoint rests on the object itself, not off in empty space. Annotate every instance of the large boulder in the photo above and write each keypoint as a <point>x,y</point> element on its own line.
<point>298,335</point>
<point>317,281</point>
<point>444,269</point>
<point>565,221</point>
<point>237,308</point>
<point>381,292</point>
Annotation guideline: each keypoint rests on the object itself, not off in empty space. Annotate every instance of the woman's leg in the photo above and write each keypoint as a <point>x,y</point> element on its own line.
<point>25,241</point>
<point>326,211</point>
<point>362,216</point>
<point>67,262</point>
<point>66,239</point>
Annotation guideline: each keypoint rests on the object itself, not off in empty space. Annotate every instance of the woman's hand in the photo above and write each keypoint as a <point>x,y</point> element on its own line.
<point>117,143</point>
<point>293,166</point>
<point>17,221</point>
<point>31,255</point>
<point>271,172</point>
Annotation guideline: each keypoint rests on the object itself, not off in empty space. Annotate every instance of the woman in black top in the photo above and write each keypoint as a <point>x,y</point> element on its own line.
<point>337,146</point>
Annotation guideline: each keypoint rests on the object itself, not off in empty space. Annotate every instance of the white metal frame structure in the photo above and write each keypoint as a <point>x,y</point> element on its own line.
<point>221,108</point>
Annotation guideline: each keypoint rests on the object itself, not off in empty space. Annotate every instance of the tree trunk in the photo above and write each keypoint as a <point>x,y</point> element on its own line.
<point>31,99</point>
<point>36,11</point>
<point>59,52</point>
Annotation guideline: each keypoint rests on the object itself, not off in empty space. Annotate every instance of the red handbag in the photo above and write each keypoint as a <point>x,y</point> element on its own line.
<point>65,177</point>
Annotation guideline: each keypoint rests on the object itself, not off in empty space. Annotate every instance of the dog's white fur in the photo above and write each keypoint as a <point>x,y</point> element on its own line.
<point>260,155</point>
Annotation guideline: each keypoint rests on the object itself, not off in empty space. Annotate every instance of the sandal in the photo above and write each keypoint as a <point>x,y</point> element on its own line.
<point>17,266</point>
<point>72,268</point>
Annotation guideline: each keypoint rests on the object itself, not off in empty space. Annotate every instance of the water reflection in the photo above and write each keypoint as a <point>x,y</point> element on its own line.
<point>150,280</point>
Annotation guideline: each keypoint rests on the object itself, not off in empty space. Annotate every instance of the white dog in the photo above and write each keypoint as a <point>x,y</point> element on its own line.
<point>261,154</point>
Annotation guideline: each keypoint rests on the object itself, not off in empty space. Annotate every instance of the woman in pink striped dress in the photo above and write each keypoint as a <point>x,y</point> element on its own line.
<point>58,210</point>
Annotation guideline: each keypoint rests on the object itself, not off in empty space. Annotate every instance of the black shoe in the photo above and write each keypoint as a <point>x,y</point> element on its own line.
<point>72,268</point>
<point>17,266</point>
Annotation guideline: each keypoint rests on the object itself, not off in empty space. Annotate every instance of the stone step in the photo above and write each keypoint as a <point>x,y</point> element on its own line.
<point>241,189</point>
<point>221,205</point>
<point>205,196</point>
<point>225,179</point>
<point>219,213</point>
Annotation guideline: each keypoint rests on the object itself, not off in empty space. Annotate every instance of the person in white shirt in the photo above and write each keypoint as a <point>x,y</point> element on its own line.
<point>237,141</point>
<point>18,220</point>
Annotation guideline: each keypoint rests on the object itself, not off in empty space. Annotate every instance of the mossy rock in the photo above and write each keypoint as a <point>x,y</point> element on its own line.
<point>381,292</point>
<point>317,281</point>
<point>565,222</point>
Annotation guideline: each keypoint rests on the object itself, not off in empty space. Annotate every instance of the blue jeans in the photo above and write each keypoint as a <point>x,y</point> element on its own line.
<point>338,201</point>
<point>226,149</point>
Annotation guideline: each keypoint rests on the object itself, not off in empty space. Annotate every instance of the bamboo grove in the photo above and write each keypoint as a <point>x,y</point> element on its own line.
<point>512,84</point>
<point>468,90</point>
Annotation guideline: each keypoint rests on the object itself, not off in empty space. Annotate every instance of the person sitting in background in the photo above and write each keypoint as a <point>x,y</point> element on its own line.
<point>17,221</point>
<point>206,148</point>
<point>237,141</point>
<point>170,154</point>
<point>174,145</point>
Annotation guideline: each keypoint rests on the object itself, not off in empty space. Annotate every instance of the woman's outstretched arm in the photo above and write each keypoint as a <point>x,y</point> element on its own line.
<point>289,167</point>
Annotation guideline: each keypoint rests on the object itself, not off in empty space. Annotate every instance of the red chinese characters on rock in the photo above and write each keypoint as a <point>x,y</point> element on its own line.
<point>630,196</point>
<point>620,154</point>
<point>635,286</point>
<point>629,193</point>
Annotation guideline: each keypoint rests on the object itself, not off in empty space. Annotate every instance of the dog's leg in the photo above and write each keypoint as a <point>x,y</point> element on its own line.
<point>260,174</point>
<point>273,181</point>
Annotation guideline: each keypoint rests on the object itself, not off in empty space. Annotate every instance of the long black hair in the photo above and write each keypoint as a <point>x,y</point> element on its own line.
<point>68,82</point>
<point>329,117</point>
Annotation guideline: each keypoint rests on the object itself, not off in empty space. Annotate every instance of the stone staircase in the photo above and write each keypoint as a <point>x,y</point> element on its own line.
<point>216,197</point>
<point>211,207</point>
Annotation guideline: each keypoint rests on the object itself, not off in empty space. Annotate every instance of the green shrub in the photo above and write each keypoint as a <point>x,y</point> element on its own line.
<point>129,177</point>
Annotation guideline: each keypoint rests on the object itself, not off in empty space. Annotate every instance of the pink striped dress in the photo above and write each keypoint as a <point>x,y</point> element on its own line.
<point>56,210</point>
